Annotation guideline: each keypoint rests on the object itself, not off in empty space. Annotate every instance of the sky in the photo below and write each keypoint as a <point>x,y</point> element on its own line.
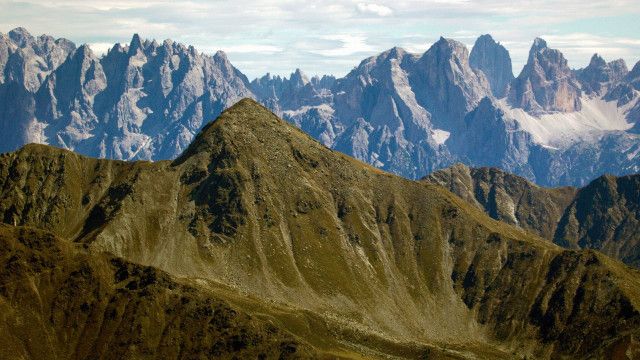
<point>332,37</point>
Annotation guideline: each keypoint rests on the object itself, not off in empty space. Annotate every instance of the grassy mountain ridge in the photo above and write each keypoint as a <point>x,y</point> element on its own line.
<point>604,215</point>
<point>257,206</point>
<point>60,301</point>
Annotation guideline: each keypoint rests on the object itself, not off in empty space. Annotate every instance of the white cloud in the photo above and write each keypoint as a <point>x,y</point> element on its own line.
<point>348,45</point>
<point>298,33</point>
<point>379,10</point>
<point>100,48</point>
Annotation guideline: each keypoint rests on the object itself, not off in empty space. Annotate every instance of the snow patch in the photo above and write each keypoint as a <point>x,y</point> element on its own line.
<point>326,108</point>
<point>440,136</point>
<point>35,132</point>
<point>560,129</point>
<point>632,155</point>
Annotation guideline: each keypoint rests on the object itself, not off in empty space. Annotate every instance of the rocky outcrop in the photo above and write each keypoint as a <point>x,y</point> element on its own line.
<point>604,215</point>
<point>28,60</point>
<point>445,83</point>
<point>599,76</point>
<point>546,83</point>
<point>345,257</point>
<point>626,90</point>
<point>142,101</point>
<point>379,96</point>
<point>494,61</point>
<point>507,197</point>
<point>282,94</point>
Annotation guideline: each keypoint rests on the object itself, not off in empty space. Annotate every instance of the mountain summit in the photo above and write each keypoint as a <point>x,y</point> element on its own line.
<point>347,258</point>
<point>546,82</point>
<point>410,114</point>
<point>494,61</point>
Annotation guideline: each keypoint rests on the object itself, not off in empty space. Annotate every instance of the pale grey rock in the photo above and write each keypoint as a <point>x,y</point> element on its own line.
<point>282,94</point>
<point>409,114</point>
<point>142,101</point>
<point>445,83</point>
<point>546,83</point>
<point>28,60</point>
<point>494,61</point>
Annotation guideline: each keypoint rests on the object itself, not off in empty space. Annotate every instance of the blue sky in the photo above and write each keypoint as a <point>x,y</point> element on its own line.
<point>334,36</point>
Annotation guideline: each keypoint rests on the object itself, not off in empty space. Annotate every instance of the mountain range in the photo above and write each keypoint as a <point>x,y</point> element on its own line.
<point>604,215</point>
<point>409,114</point>
<point>258,241</point>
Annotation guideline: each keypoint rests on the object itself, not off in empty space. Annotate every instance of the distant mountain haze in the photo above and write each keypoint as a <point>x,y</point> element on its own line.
<point>410,114</point>
<point>260,242</point>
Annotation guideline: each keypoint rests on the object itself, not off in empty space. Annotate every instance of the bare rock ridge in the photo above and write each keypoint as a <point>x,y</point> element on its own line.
<point>446,82</point>
<point>604,215</point>
<point>494,61</point>
<point>27,60</point>
<point>144,100</point>
<point>546,82</point>
<point>351,261</point>
<point>599,75</point>
<point>409,114</point>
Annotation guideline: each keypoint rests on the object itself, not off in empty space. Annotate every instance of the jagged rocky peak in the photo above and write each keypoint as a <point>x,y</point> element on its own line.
<point>281,94</point>
<point>633,77</point>
<point>21,37</point>
<point>81,70</point>
<point>446,84</point>
<point>494,61</point>
<point>599,75</point>
<point>28,60</point>
<point>221,59</point>
<point>324,82</point>
<point>394,53</point>
<point>449,49</point>
<point>135,44</point>
<point>299,78</point>
<point>546,83</point>
<point>453,46</point>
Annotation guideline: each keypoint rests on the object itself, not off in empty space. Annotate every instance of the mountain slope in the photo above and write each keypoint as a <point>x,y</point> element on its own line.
<point>603,215</point>
<point>141,101</point>
<point>546,82</point>
<point>386,265</point>
<point>506,197</point>
<point>494,61</point>
<point>409,114</point>
<point>60,301</point>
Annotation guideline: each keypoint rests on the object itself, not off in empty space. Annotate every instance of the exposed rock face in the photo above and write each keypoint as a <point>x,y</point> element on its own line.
<point>28,60</point>
<point>397,110</point>
<point>297,91</point>
<point>604,215</point>
<point>447,85</point>
<point>506,197</point>
<point>404,113</point>
<point>546,82</point>
<point>633,77</point>
<point>599,76</point>
<point>490,138</point>
<point>382,120</point>
<point>339,253</point>
<point>494,61</point>
<point>142,101</point>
